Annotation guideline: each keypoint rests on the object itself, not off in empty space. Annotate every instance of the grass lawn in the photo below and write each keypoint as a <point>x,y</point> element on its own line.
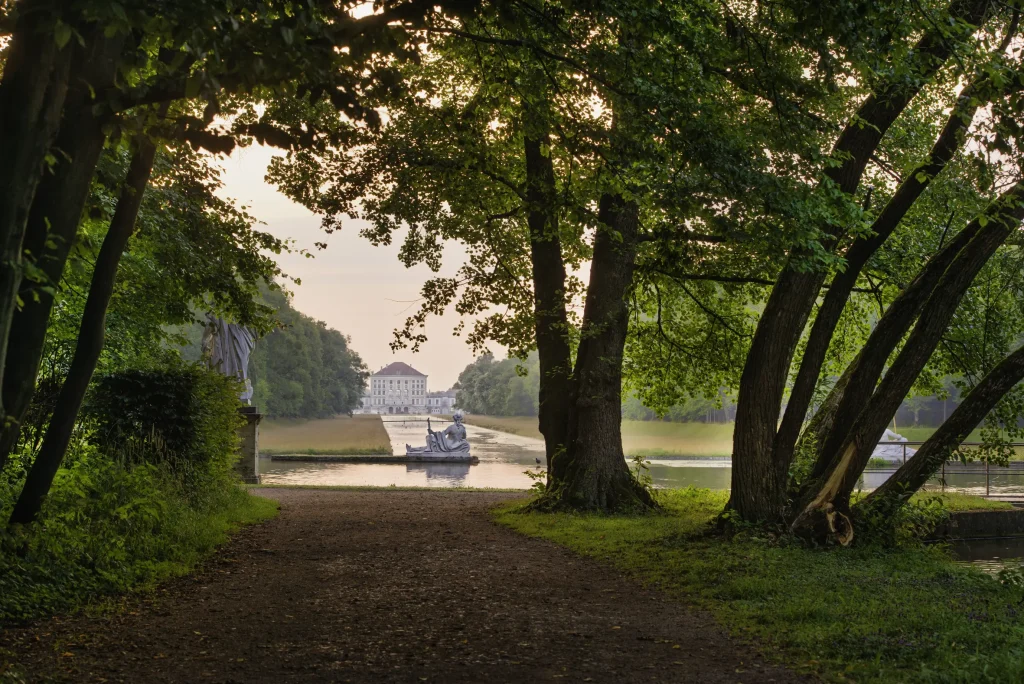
<point>953,501</point>
<point>654,439</point>
<point>647,438</point>
<point>525,426</point>
<point>920,434</point>
<point>360,434</point>
<point>864,614</point>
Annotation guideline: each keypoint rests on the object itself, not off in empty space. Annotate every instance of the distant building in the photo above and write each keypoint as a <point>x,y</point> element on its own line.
<point>396,388</point>
<point>441,402</point>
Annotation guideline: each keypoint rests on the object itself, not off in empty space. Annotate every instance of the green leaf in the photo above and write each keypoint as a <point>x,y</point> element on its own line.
<point>61,34</point>
<point>193,85</point>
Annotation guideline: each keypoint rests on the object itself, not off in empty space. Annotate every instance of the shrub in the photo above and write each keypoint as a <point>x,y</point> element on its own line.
<point>184,418</point>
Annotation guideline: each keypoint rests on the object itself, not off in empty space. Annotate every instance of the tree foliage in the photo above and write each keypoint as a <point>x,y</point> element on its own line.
<point>303,369</point>
<point>499,388</point>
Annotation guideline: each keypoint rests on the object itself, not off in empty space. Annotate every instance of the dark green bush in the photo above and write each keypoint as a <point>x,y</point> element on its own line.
<point>184,418</point>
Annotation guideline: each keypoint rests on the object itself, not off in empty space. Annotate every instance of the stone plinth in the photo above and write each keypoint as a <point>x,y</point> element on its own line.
<point>248,465</point>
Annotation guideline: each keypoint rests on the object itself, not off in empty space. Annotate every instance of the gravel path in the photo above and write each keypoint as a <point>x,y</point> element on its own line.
<point>392,586</point>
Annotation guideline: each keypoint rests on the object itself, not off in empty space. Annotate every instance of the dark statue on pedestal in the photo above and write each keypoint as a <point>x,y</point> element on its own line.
<point>226,348</point>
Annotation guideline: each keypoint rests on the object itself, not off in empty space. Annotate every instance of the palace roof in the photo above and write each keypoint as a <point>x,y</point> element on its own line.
<point>399,368</point>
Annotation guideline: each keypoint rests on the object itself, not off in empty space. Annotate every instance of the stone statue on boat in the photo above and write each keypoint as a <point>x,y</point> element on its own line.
<point>451,440</point>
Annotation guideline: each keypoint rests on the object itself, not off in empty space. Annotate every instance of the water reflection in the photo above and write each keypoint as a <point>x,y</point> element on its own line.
<point>454,473</point>
<point>504,458</point>
<point>990,555</point>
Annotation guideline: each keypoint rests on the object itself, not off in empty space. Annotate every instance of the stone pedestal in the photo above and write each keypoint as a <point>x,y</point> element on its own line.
<point>248,465</point>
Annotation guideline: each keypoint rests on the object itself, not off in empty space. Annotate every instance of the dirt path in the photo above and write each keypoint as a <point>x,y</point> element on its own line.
<point>392,586</point>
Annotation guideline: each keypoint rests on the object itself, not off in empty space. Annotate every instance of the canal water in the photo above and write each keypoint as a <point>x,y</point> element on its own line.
<point>505,458</point>
<point>991,555</point>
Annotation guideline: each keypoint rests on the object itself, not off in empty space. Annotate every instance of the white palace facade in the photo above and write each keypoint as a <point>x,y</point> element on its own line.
<point>396,388</point>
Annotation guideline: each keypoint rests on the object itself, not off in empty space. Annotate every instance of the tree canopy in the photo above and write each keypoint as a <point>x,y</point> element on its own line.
<point>814,207</point>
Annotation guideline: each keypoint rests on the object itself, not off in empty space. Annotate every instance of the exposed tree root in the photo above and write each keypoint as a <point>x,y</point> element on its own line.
<point>823,523</point>
<point>627,496</point>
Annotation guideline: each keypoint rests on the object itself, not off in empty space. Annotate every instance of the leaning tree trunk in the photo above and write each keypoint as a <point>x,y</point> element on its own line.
<point>592,471</point>
<point>550,318</point>
<point>829,313</point>
<point>825,510</point>
<point>759,473</point>
<point>912,475</point>
<point>90,337</point>
<point>32,92</point>
<point>53,222</point>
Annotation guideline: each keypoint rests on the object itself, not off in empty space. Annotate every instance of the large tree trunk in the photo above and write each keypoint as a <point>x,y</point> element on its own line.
<point>759,474</point>
<point>32,92</point>
<point>829,493</point>
<point>829,313</point>
<point>90,337</point>
<point>592,473</point>
<point>550,318</point>
<point>912,475</point>
<point>53,222</point>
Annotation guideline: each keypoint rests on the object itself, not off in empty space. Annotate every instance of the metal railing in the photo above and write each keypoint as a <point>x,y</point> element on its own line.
<point>970,469</point>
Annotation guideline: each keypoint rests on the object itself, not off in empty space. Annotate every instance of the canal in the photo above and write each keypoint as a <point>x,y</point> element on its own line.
<point>505,460</point>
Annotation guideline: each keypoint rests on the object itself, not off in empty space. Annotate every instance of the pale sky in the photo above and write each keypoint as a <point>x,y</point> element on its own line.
<point>363,291</point>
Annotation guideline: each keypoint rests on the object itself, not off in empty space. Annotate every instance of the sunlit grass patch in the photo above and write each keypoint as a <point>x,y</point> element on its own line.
<point>524,426</point>
<point>651,439</point>
<point>867,614</point>
<point>359,434</point>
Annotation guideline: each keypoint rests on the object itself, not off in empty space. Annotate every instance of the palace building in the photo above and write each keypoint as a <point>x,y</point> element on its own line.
<point>441,402</point>
<point>396,388</point>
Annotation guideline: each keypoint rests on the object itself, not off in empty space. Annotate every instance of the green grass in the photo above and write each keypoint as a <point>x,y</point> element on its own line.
<point>346,451</point>
<point>524,426</point>
<point>82,553</point>
<point>359,435</point>
<point>656,439</point>
<point>920,434</point>
<point>953,501</point>
<point>391,488</point>
<point>863,614</point>
<point>652,439</point>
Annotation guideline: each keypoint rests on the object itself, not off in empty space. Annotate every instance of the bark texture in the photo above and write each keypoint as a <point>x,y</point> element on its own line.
<point>32,92</point>
<point>592,472</point>
<point>759,473</point>
<point>53,222</point>
<point>851,397</point>
<point>829,313</point>
<point>90,336</point>
<point>913,474</point>
<point>550,318</point>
